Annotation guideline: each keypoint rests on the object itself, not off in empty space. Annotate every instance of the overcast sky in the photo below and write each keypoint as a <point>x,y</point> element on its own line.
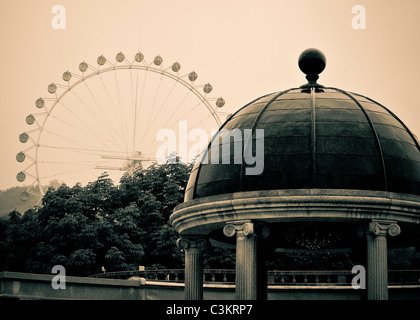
<point>245,49</point>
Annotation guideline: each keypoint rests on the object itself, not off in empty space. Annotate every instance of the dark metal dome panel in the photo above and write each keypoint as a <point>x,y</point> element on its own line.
<point>315,138</point>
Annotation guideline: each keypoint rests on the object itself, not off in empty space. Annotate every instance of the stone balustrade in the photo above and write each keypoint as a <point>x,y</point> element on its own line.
<point>275,277</point>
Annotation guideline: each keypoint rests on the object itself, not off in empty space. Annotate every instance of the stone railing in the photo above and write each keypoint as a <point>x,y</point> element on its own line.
<point>339,277</point>
<point>276,277</point>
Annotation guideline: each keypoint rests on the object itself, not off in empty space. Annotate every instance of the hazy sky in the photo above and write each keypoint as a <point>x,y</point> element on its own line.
<point>245,49</point>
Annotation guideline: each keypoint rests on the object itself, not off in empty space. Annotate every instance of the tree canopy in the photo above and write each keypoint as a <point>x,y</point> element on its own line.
<point>118,227</point>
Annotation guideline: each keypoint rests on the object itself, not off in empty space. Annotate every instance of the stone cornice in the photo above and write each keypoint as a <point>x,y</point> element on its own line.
<point>204,215</point>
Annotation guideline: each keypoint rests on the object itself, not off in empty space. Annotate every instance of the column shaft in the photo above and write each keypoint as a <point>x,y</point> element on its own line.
<point>193,274</point>
<point>377,273</point>
<point>249,280</point>
<point>246,267</point>
<point>377,258</point>
<point>193,249</point>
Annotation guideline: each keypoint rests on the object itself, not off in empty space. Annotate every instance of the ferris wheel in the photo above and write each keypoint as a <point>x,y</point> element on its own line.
<point>107,117</point>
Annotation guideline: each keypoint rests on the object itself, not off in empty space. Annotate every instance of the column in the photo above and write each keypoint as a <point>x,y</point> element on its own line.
<point>262,276</point>
<point>193,249</point>
<point>377,257</point>
<point>246,258</point>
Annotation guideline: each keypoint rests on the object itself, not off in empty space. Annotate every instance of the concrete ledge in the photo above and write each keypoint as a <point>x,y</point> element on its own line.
<point>201,216</point>
<point>16,285</point>
<point>9,275</point>
<point>38,286</point>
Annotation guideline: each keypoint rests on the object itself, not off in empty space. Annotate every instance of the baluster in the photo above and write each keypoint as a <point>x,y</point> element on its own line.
<point>271,277</point>
<point>224,277</point>
<point>213,278</point>
<point>176,277</point>
<point>305,279</point>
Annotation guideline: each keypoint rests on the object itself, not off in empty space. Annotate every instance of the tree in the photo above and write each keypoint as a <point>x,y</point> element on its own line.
<point>21,234</point>
<point>3,245</point>
<point>118,227</point>
<point>155,191</point>
<point>82,262</point>
<point>115,260</point>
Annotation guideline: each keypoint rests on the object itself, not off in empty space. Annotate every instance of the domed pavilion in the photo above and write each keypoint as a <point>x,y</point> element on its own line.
<point>334,165</point>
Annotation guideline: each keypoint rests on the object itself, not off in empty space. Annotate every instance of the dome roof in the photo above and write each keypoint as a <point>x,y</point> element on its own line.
<point>314,137</point>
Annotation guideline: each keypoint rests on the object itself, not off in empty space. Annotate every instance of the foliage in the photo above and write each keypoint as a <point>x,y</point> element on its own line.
<point>118,227</point>
<point>10,199</point>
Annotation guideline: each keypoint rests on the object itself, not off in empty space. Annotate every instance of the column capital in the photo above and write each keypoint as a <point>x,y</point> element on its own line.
<point>189,243</point>
<point>384,228</point>
<point>246,228</point>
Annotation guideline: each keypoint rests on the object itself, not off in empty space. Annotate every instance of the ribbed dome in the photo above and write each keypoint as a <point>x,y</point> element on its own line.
<point>316,138</point>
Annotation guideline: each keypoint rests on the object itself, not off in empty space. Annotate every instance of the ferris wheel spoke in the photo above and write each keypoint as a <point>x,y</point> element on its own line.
<point>31,191</point>
<point>69,140</point>
<point>105,120</point>
<point>134,106</point>
<point>94,152</point>
<point>193,126</point>
<point>183,116</point>
<point>73,163</point>
<point>161,107</point>
<point>29,157</point>
<point>120,109</point>
<point>66,172</point>
<point>176,109</point>
<point>115,112</point>
<point>29,148</point>
<point>90,134</point>
<point>190,127</point>
<point>154,100</point>
<point>28,167</point>
<point>64,168</point>
<point>95,117</point>
<point>138,107</point>
<point>25,196</point>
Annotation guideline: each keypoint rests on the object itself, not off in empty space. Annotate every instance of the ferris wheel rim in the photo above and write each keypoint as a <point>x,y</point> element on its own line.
<point>119,65</point>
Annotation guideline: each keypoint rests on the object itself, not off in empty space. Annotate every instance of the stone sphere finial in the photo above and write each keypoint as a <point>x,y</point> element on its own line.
<point>312,62</point>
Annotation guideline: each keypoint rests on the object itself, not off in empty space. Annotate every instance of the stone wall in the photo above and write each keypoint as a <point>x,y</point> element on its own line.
<point>17,285</point>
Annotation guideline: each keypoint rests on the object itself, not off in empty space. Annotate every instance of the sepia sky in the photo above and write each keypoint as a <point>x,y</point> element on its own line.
<point>244,48</point>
